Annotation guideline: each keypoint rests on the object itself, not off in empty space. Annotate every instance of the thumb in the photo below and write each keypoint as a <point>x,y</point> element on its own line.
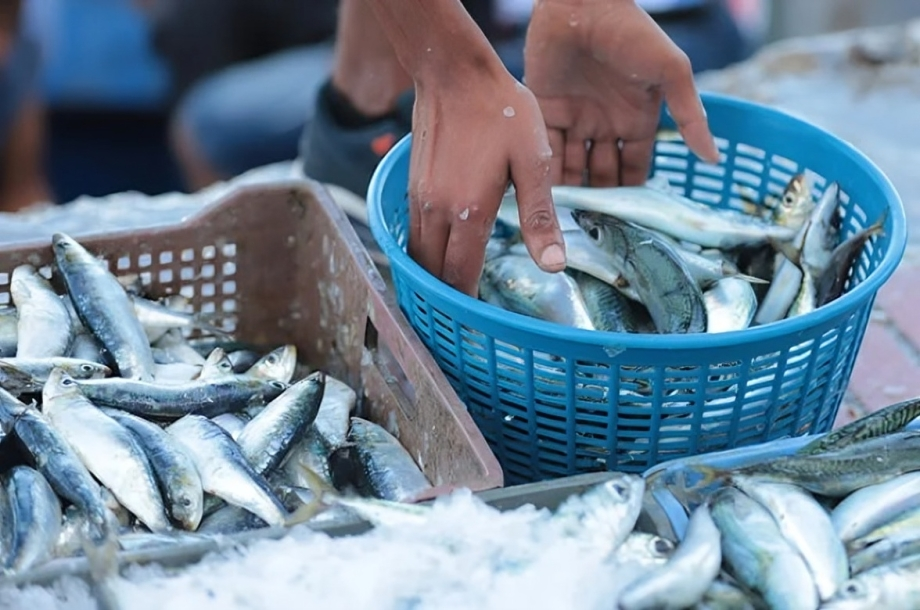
<point>530,173</point>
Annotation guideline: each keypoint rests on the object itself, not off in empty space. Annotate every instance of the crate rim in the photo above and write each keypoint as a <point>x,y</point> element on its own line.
<point>866,289</point>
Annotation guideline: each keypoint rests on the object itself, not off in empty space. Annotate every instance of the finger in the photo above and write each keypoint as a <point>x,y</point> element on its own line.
<point>685,106</point>
<point>466,249</point>
<point>635,161</point>
<point>430,240</point>
<point>557,145</point>
<point>539,225</point>
<point>576,159</point>
<point>603,163</point>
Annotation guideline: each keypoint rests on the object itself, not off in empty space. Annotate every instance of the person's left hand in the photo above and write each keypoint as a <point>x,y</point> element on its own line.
<point>599,70</point>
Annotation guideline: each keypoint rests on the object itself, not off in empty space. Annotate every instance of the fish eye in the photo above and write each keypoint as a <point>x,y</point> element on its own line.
<point>87,368</point>
<point>272,359</point>
<point>788,200</point>
<point>620,488</point>
<point>185,502</point>
<point>277,385</point>
<point>662,546</point>
<point>67,381</point>
<point>853,588</point>
<point>594,233</point>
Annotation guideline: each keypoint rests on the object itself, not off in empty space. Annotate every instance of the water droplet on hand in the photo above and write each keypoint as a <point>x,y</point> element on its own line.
<point>508,111</point>
<point>465,214</point>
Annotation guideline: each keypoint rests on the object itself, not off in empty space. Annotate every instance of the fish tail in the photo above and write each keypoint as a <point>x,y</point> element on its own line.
<point>320,490</point>
<point>711,474</point>
<point>206,322</point>
<point>878,227</point>
<point>750,278</point>
<point>101,549</point>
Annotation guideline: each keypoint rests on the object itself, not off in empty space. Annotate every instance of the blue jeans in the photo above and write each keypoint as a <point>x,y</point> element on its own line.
<point>253,114</point>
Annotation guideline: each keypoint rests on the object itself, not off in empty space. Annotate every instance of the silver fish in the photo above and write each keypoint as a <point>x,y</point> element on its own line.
<point>86,347</point>
<point>9,333</point>
<point>310,451</point>
<point>232,423</point>
<point>873,506</point>
<point>109,451</point>
<point>386,470</point>
<point>36,518</point>
<point>806,526</point>
<point>266,439</point>
<point>885,550</point>
<point>796,204</point>
<point>62,468</point>
<point>757,553</point>
<point>175,373</point>
<point>45,328</point>
<point>16,381</point>
<point>730,305</point>
<point>522,287</point>
<point>894,586</point>
<point>787,281</point>
<point>611,311</point>
<point>806,298</point>
<point>217,364</point>
<point>830,284</point>
<point>104,308</point>
<point>230,519</point>
<point>685,578</point>
<point>664,285</point>
<point>609,510</point>
<point>204,397</point>
<point>174,347</point>
<point>224,470</point>
<point>672,214</point>
<point>40,368</point>
<point>649,550</point>
<point>335,411</point>
<point>174,469</point>
<point>157,318</point>
<point>822,234</point>
<point>278,365</point>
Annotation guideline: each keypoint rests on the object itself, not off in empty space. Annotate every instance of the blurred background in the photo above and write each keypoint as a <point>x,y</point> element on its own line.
<point>103,81</point>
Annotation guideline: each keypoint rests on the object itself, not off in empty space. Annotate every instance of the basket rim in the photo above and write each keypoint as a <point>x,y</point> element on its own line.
<point>849,301</point>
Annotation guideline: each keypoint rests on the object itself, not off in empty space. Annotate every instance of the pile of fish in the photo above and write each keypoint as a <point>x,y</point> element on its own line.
<point>122,428</point>
<point>646,259</point>
<point>834,525</point>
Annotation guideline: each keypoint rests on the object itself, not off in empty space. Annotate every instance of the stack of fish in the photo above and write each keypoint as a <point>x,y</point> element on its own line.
<point>646,259</point>
<point>835,525</point>
<point>119,431</point>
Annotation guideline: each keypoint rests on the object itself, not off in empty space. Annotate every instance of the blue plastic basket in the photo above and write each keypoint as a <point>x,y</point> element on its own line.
<point>549,398</point>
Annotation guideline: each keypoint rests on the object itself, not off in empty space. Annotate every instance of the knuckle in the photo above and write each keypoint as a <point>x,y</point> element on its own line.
<point>539,220</point>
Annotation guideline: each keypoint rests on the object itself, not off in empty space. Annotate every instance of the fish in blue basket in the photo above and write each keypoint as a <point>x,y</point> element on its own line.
<point>661,279</point>
<point>830,284</point>
<point>730,305</point>
<point>609,308</point>
<point>796,204</point>
<point>515,282</point>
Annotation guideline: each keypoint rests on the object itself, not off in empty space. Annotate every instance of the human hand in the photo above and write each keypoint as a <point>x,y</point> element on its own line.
<point>599,70</point>
<point>473,132</point>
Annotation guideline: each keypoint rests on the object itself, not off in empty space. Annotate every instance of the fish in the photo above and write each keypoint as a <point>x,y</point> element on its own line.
<point>104,308</point>
<point>822,235</point>
<point>108,450</point>
<point>673,214</point>
<point>649,550</point>
<point>36,512</point>
<point>893,586</point>
<point>688,573</point>
<point>672,297</point>
<point>9,333</point>
<point>806,298</point>
<point>830,284</point>
<point>522,287</point>
<point>885,550</point>
<point>266,439</point>
<point>892,418</point>
<point>57,461</point>
<point>16,381</point>
<point>874,505</point>
<point>277,365</point>
<point>609,509</point>
<point>217,364</point>
<point>174,347</point>
<point>157,318</point>
<point>311,451</point>
<point>224,470</point>
<point>203,397</point>
<point>86,347</point>
<point>233,423</point>
<point>175,472</point>
<point>375,463</point>
<point>39,369</point>
<point>45,329</point>
<point>908,521</point>
<point>757,553</point>
<point>730,305</point>
<point>242,359</point>
<point>806,526</point>
<point>230,519</point>
<point>334,416</point>
<point>609,310</point>
<point>796,204</point>
<point>839,472</point>
<point>722,595</point>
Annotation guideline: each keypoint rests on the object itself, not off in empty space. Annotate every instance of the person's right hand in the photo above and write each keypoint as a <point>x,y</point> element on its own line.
<point>472,132</point>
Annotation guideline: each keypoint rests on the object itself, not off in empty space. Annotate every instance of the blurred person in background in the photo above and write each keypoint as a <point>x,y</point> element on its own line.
<point>23,181</point>
<point>347,116</point>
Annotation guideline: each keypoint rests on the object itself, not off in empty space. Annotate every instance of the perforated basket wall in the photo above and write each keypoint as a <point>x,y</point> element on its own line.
<point>555,401</point>
<point>279,265</point>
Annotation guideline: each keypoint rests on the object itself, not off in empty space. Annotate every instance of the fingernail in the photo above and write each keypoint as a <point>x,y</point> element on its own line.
<point>553,257</point>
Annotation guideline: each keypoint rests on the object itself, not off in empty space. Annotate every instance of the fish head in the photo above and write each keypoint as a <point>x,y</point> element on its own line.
<point>856,593</point>
<point>87,369</point>
<point>59,384</point>
<point>278,364</point>
<point>796,204</point>
<point>591,223</point>
<point>217,364</point>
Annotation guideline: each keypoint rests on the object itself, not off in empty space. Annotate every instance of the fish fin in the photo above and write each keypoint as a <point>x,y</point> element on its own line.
<point>750,278</point>
<point>320,490</point>
<point>102,557</point>
<point>710,474</point>
<point>787,249</point>
<point>17,379</point>
<point>878,227</point>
